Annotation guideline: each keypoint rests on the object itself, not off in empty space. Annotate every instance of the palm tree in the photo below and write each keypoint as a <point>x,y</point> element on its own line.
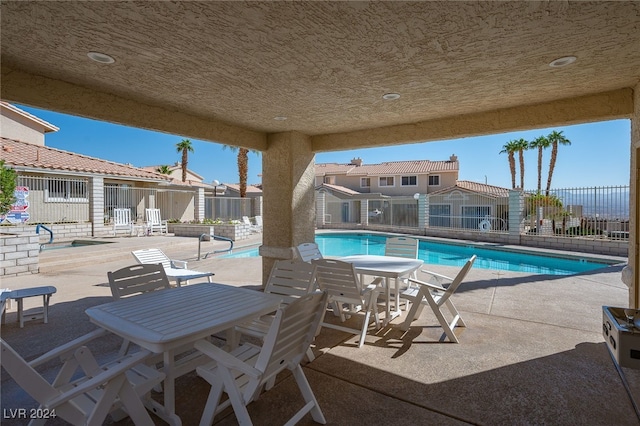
<point>555,138</point>
<point>521,146</point>
<point>184,146</point>
<point>243,166</point>
<point>510,148</point>
<point>164,169</point>
<point>540,143</point>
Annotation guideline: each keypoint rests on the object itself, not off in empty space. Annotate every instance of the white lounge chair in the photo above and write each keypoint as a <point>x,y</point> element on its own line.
<point>154,221</point>
<point>122,220</point>
<point>436,295</point>
<point>244,372</point>
<point>252,227</point>
<point>308,252</point>
<point>340,281</point>
<point>175,269</point>
<point>87,398</point>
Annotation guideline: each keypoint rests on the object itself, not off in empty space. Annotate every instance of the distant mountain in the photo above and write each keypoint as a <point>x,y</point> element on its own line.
<point>606,203</point>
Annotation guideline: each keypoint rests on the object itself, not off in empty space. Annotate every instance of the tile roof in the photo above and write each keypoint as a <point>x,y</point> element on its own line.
<point>477,187</point>
<point>48,126</point>
<point>387,168</point>
<point>339,188</point>
<point>30,156</point>
<point>250,188</point>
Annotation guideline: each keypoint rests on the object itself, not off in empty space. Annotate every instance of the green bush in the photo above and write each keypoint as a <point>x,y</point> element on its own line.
<point>8,178</point>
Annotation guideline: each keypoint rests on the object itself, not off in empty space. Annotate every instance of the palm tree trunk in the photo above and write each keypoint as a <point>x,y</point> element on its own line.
<point>184,164</point>
<point>243,168</point>
<point>512,168</point>
<point>521,155</point>
<point>552,165</point>
<point>539,169</point>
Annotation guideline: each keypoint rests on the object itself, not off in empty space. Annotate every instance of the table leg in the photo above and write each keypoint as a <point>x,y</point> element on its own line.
<point>167,412</point>
<point>20,312</point>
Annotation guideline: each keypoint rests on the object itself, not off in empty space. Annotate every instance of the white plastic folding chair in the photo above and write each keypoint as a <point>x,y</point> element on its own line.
<point>345,293</point>
<point>87,398</point>
<point>436,295</point>
<point>290,279</point>
<point>252,227</point>
<point>122,220</point>
<point>245,371</point>
<point>155,222</point>
<point>308,252</point>
<point>175,269</point>
<point>403,247</point>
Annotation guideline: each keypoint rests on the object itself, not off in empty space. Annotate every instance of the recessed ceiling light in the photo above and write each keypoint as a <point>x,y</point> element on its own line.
<point>280,118</point>
<point>562,62</point>
<point>391,96</point>
<point>101,57</point>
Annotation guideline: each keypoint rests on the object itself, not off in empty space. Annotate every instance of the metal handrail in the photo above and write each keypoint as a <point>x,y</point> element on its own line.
<point>217,238</point>
<point>46,229</point>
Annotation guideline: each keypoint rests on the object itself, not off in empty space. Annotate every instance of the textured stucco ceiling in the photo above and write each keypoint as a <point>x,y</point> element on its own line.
<point>323,65</point>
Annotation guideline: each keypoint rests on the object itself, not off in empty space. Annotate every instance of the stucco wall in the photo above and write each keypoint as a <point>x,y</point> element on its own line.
<point>15,126</point>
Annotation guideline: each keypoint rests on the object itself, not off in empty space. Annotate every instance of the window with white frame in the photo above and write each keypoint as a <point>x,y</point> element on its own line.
<point>434,180</point>
<point>409,181</point>
<point>67,190</point>
<point>386,181</point>
<point>365,182</point>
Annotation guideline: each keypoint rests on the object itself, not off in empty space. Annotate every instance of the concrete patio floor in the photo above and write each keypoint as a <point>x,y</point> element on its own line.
<point>532,351</point>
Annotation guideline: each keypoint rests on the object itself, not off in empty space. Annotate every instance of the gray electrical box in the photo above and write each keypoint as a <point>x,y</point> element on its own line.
<point>622,337</point>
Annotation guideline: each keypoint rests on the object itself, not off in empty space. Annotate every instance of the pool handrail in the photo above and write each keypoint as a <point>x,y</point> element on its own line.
<point>217,238</point>
<point>38,226</point>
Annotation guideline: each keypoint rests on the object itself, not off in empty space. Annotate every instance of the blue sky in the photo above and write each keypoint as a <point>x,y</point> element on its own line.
<point>599,154</point>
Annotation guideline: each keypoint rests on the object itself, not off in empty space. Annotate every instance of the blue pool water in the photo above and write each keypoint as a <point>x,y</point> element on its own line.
<point>435,253</point>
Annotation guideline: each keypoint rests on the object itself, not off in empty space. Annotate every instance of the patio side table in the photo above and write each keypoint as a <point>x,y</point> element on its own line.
<point>20,295</point>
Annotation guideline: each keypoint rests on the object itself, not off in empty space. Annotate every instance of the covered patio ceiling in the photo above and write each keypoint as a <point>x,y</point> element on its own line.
<point>231,72</point>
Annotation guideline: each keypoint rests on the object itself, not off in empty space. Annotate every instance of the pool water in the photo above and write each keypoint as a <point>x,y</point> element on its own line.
<point>435,253</point>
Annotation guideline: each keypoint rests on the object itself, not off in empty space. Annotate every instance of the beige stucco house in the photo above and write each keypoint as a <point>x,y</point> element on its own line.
<point>394,178</point>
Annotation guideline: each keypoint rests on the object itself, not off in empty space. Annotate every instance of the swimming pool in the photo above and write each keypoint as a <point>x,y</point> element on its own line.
<point>436,253</point>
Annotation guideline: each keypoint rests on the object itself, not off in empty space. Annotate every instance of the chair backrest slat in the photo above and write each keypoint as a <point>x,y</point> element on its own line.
<point>339,279</point>
<point>458,279</point>
<point>402,247</point>
<point>291,278</point>
<point>291,332</point>
<point>136,279</point>
<point>152,255</point>
<point>308,252</point>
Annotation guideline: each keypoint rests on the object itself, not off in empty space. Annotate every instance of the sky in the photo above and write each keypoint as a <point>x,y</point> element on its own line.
<point>599,154</point>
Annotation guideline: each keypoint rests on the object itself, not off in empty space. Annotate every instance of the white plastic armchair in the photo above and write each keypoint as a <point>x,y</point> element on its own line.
<point>122,220</point>
<point>243,373</point>
<point>176,270</point>
<point>100,389</point>
<point>155,222</point>
<point>345,292</point>
<point>403,247</point>
<point>308,252</point>
<point>436,295</point>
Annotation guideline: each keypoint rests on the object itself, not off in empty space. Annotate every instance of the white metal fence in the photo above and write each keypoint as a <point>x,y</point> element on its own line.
<point>56,199</point>
<point>601,212</point>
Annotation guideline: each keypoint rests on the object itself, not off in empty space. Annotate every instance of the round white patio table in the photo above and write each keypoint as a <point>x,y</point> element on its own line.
<point>387,267</point>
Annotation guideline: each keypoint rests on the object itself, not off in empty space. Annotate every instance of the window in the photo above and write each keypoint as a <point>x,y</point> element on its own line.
<point>365,182</point>
<point>386,181</point>
<point>72,190</point>
<point>434,180</point>
<point>440,215</point>
<point>331,180</point>
<point>409,180</point>
<point>473,215</point>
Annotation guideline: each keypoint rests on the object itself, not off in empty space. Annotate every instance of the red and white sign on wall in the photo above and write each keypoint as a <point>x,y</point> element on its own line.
<point>18,212</point>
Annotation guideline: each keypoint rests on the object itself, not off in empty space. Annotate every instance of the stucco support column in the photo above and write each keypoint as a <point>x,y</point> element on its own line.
<point>423,211</point>
<point>288,188</point>
<point>320,208</point>
<point>96,205</point>
<point>634,206</point>
<point>199,204</point>
<point>516,212</point>
<point>364,213</point>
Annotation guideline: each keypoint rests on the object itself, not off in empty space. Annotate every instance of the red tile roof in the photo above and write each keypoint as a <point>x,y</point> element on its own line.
<point>481,188</point>
<point>387,168</point>
<point>22,155</point>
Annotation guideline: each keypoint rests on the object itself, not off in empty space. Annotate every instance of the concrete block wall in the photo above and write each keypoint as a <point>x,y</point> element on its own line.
<point>19,254</point>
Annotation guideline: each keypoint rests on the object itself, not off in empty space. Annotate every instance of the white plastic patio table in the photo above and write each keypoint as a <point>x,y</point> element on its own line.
<point>387,267</point>
<point>165,320</point>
